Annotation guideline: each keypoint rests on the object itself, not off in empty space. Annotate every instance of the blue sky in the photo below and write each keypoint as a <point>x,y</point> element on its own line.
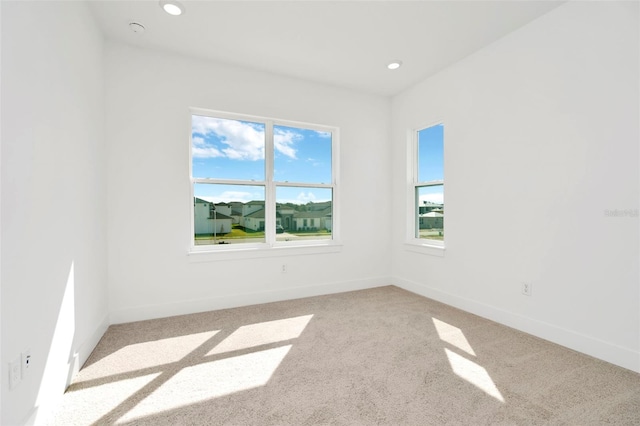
<point>234,149</point>
<point>431,162</point>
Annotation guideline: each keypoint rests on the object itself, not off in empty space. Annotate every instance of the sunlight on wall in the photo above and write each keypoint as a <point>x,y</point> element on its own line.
<point>474,374</point>
<point>57,367</point>
<point>453,335</point>
<point>249,336</point>
<point>208,380</point>
<point>146,354</point>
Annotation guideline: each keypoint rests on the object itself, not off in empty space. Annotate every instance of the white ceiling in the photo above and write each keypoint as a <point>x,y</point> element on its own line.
<point>342,43</point>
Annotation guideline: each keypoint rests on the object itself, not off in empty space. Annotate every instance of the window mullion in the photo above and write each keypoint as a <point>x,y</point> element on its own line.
<point>304,185</point>
<point>270,196</point>
<point>227,181</point>
<point>430,183</point>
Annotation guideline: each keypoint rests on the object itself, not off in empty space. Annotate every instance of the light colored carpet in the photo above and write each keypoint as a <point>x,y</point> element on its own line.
<point>374,357</point>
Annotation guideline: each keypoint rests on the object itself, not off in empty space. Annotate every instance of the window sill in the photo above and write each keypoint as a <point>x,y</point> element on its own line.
<point>261,252</point>
<point>427,249</point>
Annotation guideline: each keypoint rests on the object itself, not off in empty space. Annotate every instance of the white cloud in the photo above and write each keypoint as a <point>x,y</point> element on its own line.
<point>432,198</point>
<point>305,198</point>
<point>229,196</point>
<point>198,141</point>
<point>241,140</point>
<point>201,149</point>
<point>243,196</point>
<point>284,141</point>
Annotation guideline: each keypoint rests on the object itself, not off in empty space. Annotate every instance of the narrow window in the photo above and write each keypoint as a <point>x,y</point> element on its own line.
<point>429,184</point>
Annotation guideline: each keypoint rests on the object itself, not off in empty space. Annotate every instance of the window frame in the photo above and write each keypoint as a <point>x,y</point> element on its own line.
<point>270,185</point>
<point>413,242</point>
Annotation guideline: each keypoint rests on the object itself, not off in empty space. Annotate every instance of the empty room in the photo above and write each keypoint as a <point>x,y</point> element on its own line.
<point>233,212</point>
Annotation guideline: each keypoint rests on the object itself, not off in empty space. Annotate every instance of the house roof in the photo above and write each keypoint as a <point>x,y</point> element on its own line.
<point>201,201</point>
<point>312,214</point>
<point>319,206</point>
<point>258,214</point>
<point>219,216</point>
<point>432,214</point>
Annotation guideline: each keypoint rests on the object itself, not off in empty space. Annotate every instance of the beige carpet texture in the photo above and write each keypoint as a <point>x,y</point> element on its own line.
<point>382,356</point>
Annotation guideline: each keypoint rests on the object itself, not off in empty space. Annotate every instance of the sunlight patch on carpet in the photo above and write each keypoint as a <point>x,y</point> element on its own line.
<point>102,399</point>
<point>208,380</point>
<point>474,374</point>
<point>145,355</point>
<point>453,335</point>
<point>264,333</point>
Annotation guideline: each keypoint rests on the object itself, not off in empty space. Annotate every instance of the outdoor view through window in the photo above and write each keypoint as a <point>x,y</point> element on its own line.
<point>429,186</point>
<point>256,181</point>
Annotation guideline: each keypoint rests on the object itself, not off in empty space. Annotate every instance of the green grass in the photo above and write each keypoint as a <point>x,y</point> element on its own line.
<point>236,233</point>
<point>239,233</point>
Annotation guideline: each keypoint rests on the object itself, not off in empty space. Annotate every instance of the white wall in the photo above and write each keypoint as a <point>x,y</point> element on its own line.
<point>541,137</point>
<point>148,123</point>
<point>54,298</point>
<point>542,126</point>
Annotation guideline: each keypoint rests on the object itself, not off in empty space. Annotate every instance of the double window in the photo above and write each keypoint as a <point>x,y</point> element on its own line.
<point>428,185</point>
<point>261,182</point>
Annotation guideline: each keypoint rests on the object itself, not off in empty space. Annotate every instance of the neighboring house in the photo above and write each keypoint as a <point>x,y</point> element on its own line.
<point>224,208</point>
<point>251,216</point>
<point>431,220</point>
<point>286,216</point>
<point>312,220</point>
<point>255,221</point>
<point>248,209</point>
<point>428,206</point>
<point>322,206</point>
<point>236,211</point>
<point>208,221</point>
<point>328,222</point>
<point>252,206</point>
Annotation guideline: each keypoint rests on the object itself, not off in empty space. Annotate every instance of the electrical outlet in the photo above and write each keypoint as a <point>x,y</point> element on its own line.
<point>26,361</point>
<point>15,375</point>
<point>526,288</point>
<point>284,268</point>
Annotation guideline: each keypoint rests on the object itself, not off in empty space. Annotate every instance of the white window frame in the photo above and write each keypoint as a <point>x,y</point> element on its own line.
<point>270,245</point>
<point>413,243</point>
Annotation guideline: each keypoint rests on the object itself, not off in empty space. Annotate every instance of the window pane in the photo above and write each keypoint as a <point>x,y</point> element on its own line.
<point>303,213</point>
<point>430,212</point>
<point>430,153</point>
<point>227,149</point>
<point>301,155</point>
<point>228,214</point>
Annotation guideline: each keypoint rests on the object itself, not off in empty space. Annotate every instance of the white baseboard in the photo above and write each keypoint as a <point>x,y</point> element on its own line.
<point>141,313</point>
<point>596,348</point>
<point>81,354</point>
<point>42,415</point>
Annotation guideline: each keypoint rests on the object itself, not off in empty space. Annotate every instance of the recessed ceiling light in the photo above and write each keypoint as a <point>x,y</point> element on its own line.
<point>136,27</point>
<point>394,65</point>
<point>172,7</point>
